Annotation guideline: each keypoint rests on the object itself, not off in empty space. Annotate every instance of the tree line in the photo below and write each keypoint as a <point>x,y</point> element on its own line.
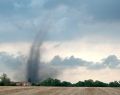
<point>85,83</point>
<point>5,81</point>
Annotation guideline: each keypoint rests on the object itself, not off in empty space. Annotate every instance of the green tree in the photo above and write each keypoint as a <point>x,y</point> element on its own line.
<point>66,84</point>
<point>80,84</point>
<point>4,80</point>
<point>89,83</point>
<point>100,84</point>
<point>51,82</point>
<point>114,84</point>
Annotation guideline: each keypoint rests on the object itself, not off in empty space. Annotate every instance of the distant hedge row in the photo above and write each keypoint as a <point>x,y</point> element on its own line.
<point>5,81</point>
<point>86,83</point>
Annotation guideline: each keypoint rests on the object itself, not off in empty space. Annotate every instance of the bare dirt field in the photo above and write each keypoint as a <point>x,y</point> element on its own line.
<point>58,91</point>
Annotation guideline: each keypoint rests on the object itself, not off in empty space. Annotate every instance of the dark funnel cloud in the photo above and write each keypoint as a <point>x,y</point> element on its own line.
<point>34,58</point>
<point>36,70</point>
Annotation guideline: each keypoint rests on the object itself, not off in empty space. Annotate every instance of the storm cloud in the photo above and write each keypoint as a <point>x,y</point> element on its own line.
<point>13,62</point>
<point>72,19</point>
<point>88,30</point>
<point>111,62</point>
<point>14,65</point>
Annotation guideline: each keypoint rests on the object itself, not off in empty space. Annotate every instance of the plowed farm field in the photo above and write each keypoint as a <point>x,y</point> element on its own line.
<point>58,91</point>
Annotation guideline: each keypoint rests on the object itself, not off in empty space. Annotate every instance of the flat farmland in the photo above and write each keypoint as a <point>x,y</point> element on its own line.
<point>58,91</point>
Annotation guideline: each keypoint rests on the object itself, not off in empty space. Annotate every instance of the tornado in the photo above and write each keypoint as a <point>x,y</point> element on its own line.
<point>36,70</point>
<point>34,62</point>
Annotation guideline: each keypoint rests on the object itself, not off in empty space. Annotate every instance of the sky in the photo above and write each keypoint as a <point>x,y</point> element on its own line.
<point>83,34</point>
